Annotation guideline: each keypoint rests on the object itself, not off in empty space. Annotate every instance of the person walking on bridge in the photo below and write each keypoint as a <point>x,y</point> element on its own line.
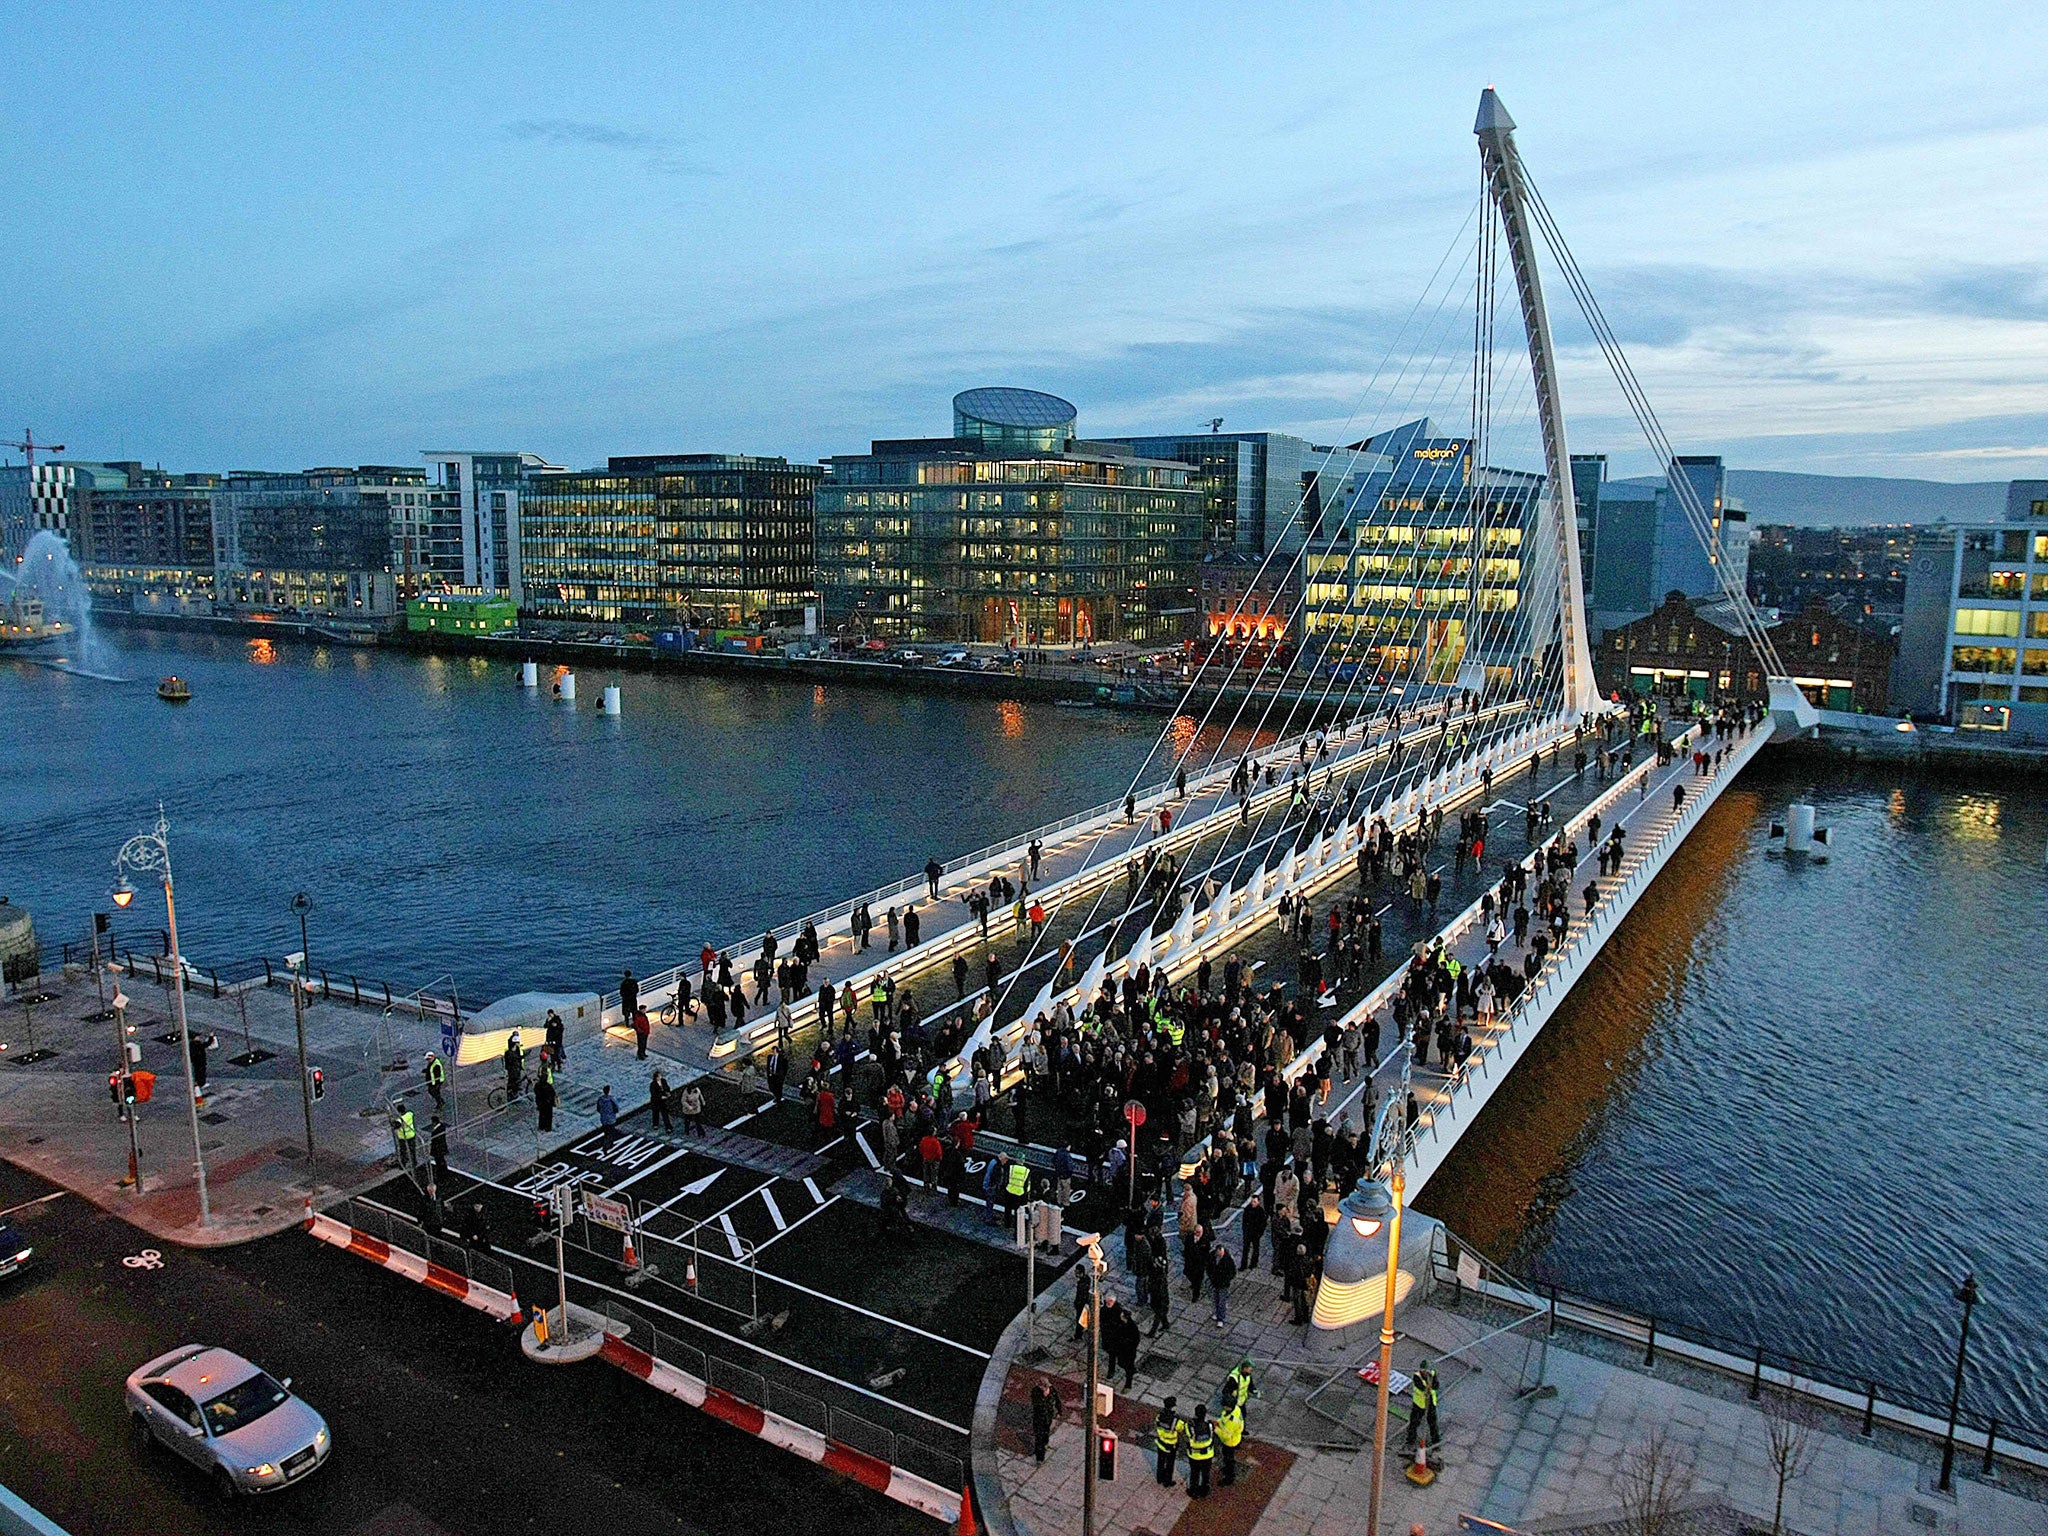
<point>933,869</point>
<point>629,993</point>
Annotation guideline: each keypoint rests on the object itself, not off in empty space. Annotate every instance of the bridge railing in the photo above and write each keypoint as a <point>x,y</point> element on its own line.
<point>1760,1366</point>
<point>1459,781</point>
<point>662,985</point>
<point>1509,1018</point>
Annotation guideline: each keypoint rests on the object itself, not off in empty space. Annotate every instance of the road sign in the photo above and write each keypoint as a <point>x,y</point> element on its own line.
<point>447,1039</point>
<point>1135,1113</point>
<point>608,1213</point>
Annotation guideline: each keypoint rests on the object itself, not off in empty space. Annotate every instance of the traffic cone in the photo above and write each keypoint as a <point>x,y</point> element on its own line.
<point>690,1275</point>
<point>630,1260</point>
<point>1421,1473</point>
<point>965,1526</point>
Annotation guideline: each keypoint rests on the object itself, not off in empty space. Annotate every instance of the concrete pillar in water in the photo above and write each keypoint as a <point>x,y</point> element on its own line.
<point>611,698</point>
<point>1798,828</point>
<point>568,687</point>
<point>529,674</point>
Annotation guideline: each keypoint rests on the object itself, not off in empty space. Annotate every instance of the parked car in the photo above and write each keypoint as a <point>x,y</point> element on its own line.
<point>954,657</point>
<point>910,658</point>
<point>14,1248</point>
<point>235,1423</point>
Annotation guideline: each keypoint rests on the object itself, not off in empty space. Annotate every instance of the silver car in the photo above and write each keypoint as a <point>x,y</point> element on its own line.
<point>228,1418</point>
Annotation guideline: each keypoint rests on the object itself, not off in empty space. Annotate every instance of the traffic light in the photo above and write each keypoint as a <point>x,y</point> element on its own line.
<point>319,1081</point>
<point>101,922</point>
<point>1105,1456</point>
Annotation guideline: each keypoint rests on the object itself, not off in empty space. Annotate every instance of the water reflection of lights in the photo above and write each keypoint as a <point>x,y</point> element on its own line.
<point>262,652</point>
<point>1183,732</point>
<point>1011,713</point>
<point>818,697</point>
<point>1974,818</point>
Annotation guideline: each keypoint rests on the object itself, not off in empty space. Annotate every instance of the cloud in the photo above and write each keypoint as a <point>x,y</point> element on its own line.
<point>658,155</point>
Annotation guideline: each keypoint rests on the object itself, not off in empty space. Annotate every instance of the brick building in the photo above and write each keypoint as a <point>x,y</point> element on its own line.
<point>1695,646</point>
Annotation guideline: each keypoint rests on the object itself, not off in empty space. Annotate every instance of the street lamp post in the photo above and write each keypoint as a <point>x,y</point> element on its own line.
<point>1966,1293</point>
<point>127,1078</point>
<point>149,853</point>
<point>1098,1273</point>
<point>303,904</point>
<point>1396,1188</point>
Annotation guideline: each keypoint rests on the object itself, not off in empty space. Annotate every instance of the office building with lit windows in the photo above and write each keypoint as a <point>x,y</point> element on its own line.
<point>1973,645</point>
<point>713,540</point>
<point>1416,567</point>
<point>346,541</point>
<point>481,490</point>
<point>1013,528</point>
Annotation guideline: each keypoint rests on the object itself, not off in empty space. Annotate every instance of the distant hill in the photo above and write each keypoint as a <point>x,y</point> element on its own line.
<point>1849,501</point>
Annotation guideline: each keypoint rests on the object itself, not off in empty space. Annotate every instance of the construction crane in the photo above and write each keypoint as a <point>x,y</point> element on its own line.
<point>29,447</point>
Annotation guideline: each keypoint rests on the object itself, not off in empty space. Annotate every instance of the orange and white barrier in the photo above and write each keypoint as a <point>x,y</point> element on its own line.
<point>785,1434</point>
<point>435,1277</point>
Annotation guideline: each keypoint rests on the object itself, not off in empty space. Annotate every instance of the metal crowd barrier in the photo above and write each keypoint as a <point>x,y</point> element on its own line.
<point>862,1434</point>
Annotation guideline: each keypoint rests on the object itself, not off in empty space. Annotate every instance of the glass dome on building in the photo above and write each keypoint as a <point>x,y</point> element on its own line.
<point>1014,418</point>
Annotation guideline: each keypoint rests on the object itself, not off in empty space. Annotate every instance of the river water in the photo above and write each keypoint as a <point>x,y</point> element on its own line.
<point>1793,1101</point>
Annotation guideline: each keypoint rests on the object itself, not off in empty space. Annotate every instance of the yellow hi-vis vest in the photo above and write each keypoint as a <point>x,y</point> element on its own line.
<point>1166,1433</point>
<point>1230,1427</point>
<point>1201,1444</point>
<point>436,1072</point>
<point>1020,1178</point>
<point>405,1127</point>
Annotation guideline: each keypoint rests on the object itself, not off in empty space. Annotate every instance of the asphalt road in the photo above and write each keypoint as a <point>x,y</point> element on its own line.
<point>440,1426</point>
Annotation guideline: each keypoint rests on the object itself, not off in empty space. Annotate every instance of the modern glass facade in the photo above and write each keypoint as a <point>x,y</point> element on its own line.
<point>706,540</point>
<point>959,539</point>
<point>1252,483</point>
<point>1013,418</point>
<point>1420,569</point>
<point>1636,544</point>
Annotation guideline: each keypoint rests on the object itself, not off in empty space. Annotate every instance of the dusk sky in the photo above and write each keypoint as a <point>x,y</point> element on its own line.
<point>283,236</point>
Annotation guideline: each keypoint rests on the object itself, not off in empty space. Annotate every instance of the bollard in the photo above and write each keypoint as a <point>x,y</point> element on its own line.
<point>1869,1408</point>
<point>1756,1377</point>
<point>1989,1471</point>
<point>1650,1349</point>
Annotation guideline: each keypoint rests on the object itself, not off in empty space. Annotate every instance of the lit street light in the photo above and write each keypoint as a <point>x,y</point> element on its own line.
<point>149,853</point>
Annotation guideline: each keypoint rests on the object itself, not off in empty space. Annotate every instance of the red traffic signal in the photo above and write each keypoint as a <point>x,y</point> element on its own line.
<point>318,1079</point>
<point>1105,1456</point>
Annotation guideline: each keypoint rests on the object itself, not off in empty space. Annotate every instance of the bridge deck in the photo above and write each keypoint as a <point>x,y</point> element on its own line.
<point>1079,855</point>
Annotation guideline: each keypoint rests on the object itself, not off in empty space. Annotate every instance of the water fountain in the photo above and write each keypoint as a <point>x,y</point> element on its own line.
<point>52,605</point>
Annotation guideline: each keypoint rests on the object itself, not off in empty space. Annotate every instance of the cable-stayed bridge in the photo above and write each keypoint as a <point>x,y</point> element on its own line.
<point>1445,671</point>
